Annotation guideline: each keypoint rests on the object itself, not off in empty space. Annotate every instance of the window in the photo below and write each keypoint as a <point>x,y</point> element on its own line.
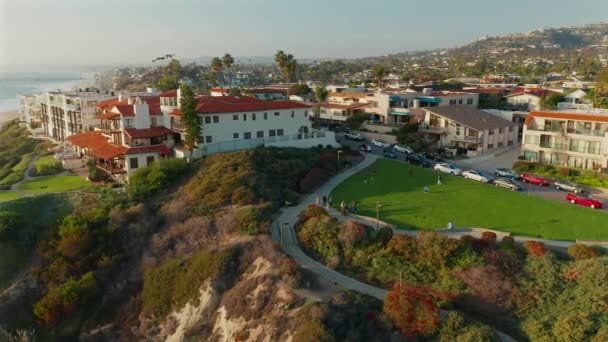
<point>149,160</point>
<point>133,163</point>
<point>207,119</point>
<point>253,116</point>
<point>510,129</point>
<point>208,139</point>
<point>265,116</point>
<point>216,119</point>
<point>293,113</point>
<point>277,113</point>
<point>244,117</point>
<point>490,146</point>
<point>457,129</point>
<point>235,117</point>
<point>491,132</point>
<point>500,130</point>
<point>247,135</point>
<point>452,102</point>
<point>532,139</point>
<point>500,144</point>
<point>305,113</point>
<point>260,134</point>
<point>459,101</point>
<point>152,121</point>
<point>235,135</point>
<point>128,122</point>
<point>469,101</point>
<point>510,143</point>
<point>272,133</point>
<point>279,132</point>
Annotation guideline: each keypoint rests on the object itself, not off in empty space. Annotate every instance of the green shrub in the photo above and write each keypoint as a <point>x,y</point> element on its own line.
<point>252,220</point>
<point>581,252</point>
<point>9,222</point>
<point>177,282</point>
<point>47,166</point>
<point>155,177</point>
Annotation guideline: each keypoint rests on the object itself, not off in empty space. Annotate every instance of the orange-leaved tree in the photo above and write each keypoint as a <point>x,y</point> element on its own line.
<point>412,310</point>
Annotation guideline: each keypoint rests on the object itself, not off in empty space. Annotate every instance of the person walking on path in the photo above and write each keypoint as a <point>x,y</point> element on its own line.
<point>324,200</point>
<point>439,180</point>
<point>342,208</point>
<point>329,200</point>
<point>451,225</point>
<point>318,201</point>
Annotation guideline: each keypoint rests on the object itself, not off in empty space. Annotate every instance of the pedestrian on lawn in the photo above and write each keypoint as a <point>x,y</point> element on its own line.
<point>439,180</point>
<point>451,225</point>
<point>329,202</point>
<point>410,171</point>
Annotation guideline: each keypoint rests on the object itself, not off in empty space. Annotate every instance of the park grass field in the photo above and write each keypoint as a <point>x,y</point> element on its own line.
<point>467,203</point>
<point>8,195</point>
<point>47,184</point>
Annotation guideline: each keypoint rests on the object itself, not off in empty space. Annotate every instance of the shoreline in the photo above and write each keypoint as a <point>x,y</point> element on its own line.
<point>8,115</point>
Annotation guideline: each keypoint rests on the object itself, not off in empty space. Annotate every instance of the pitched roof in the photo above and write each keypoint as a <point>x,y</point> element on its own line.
<point>585,116</point>
<point>489,91</point>
<point>105,104</point>
<point>148,132</point>
<point>123,109</point>
<point>539,92</point>
<point>169,93</point>
<point>342,106</point>
<point>348,95</point>
<point>160,149</point>
<point>470,117</point>
<point>234,104</point>
<point>267,90</point>
<point>97,144</point>
<point>108,116</point>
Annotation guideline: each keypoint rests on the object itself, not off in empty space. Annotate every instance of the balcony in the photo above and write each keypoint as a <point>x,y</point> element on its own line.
<point>471,139</point>
<point>585,132</point>
<point>571,148</point>
<point>112,168</point>
<point>432,129</point>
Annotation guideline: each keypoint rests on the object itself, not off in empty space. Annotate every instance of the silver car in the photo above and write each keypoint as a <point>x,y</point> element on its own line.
<point>568,186</point>
<point>507,183</point>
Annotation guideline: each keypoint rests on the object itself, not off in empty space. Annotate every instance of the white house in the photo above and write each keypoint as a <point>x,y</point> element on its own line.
<point>527,98</point>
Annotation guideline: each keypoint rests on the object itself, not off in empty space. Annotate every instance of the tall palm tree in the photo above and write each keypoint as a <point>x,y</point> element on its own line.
<point>287,64</point>
<point>228,62</point>
<point>216,66</point>
<point>379,73</point>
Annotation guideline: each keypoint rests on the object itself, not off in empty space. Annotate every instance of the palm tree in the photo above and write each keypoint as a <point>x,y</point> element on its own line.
<point>287,64</point>
<point>379,73</point>
<point>228,62</point>
<point>216,66</point>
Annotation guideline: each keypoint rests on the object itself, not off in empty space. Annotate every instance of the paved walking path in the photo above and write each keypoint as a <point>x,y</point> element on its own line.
<point>283,232</point>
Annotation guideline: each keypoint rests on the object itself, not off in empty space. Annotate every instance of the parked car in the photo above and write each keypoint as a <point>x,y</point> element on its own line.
<point>478,176</point>
<point>507,183</point>
<point>380,143</point>
<point>568,186</point>
<point>353,136</point>
<point>533,179</point>
<point>448,168</point>
<point>403,149</point>
<point>584,200</point>
<point>365,148</point>
<point>432,156</point>
<point>389,154</point>
<point>415,159</point>
<point>507,173</point>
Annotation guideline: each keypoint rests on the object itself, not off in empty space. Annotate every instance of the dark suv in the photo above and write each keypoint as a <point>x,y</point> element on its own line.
<point>416,159</point>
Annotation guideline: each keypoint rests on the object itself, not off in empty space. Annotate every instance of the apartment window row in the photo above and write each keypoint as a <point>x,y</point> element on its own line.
<point>253,117</point>
<point>209,118</point>
<point>134,162</point>
<point>259,134</point>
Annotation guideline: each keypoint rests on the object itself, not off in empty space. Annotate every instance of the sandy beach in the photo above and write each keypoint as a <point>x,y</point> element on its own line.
<point>8,116</point>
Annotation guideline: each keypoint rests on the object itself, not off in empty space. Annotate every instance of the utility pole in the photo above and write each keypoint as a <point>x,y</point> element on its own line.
<point>378,206</point>
<point>338,161</point>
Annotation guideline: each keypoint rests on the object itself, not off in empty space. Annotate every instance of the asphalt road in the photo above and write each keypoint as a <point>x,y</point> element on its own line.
<point>488,165</point>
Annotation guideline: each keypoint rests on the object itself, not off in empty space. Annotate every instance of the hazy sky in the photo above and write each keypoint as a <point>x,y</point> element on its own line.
<point>83,32</point>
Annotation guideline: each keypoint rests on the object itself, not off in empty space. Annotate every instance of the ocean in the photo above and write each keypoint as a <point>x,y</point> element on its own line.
<point>15,83</point>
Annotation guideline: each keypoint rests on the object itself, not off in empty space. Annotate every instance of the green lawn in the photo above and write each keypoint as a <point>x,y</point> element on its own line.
<point>45,160</point>
<point>8,195</point>
<point>467,203</point>
<point>54,184</point>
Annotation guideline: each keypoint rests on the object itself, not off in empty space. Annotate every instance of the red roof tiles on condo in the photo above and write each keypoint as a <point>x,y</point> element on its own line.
<point>539,92</point>
<point>235,104</point>
<point>148,132</point>
<point>566,115</point>
<point>349,95</point>
<point>160,149</point>
<point>342,106</point>
<point>169,93</point>
<point>97,144</point>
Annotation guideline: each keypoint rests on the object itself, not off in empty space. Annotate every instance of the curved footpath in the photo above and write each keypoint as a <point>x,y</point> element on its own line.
<point>284,233</point>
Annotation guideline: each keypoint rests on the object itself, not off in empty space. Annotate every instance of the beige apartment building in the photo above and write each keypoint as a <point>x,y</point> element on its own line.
<point>575,139</point>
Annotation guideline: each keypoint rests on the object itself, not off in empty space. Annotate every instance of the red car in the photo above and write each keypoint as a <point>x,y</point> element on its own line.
<point>584,200</point>
<point>365,148</point>
<point>533,179</point>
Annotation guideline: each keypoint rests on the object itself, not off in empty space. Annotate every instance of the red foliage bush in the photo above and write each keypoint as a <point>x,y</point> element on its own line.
<point>489,284</point>
<point>404,245</point>
<point>315,177</point>
<point>412,310</point>
<point>328,161</point>
<point>506,261</point>
<point>582,252</point>
<point>314,210</point>
<point>353,233</point>
<point>489,236</point>
<point>535,248</point>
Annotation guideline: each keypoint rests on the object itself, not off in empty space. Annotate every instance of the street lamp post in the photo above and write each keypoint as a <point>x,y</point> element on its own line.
<point>378,206</point>
<point>338,161</point>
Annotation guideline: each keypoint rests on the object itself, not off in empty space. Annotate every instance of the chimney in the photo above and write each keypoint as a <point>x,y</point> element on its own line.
<point>130,100</point>
<point>120,97</point>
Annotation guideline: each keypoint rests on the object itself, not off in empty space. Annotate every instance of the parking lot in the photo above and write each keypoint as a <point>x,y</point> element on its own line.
<point>488,164</point>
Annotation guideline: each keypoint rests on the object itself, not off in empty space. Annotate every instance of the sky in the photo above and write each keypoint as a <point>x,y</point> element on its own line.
<point>108,32</point>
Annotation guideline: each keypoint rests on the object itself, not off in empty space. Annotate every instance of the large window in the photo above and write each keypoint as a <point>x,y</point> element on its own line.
<point>272,133</point>
<point>469,101</point>
<point>208,139</point>
<point>235,135</point>
<point>149,160</point>
<point>207,119</point>
<point>532,139</point>
<point>253,116</point>
<point>244,117</point>
<point>279,132</point>
<point>247,135</point>
<point>235,117</point>
<point>265,116</point>
<point>277,113</point>
<point>133,163</point>
<point>260,134</point>
<point>216,119</point>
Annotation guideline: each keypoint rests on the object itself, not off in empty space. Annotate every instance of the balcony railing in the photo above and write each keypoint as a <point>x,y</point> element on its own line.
<point>112,168</point>
<point>571,148</point>
<point>432,129</point>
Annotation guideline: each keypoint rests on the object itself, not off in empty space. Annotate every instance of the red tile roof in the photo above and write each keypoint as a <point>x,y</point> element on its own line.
<point>349,95</point>
<point>234,104</point>
<point>123,109</point>
<point>176,112</point>
<point>539,92</point>
<point>169,93</point>
<point>160,149</point>
<point>106,104</point>
<point>108,116</point>
<point>97,144</point>
<point>489,91</point>
<point>566,115</point>
<point>267,90</point>
<point>148,132</point>
<point>220,90</point>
